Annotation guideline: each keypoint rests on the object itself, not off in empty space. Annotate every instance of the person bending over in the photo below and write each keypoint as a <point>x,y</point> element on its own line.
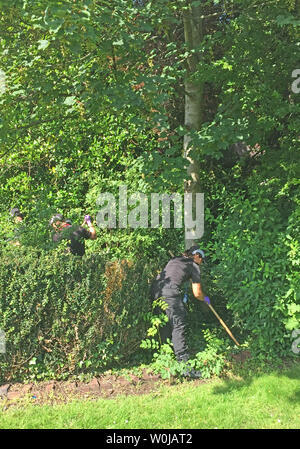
<point>17,217</point>
<point>76,235</point>
<point>168,286</point>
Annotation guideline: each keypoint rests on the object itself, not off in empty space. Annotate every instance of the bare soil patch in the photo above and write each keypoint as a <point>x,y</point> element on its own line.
<point>56,392</point>
<point>104,386</point>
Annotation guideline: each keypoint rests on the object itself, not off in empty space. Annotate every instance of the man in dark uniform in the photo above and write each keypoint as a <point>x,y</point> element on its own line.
<point>168,286</point>
<point>75,234</point>
<point>18,218</point>
<point>16,214</point>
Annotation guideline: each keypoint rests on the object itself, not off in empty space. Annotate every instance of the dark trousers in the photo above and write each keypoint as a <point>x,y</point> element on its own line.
<point>175,327</point>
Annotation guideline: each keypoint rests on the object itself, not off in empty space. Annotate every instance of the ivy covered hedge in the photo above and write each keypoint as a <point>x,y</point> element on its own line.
<point>63,315</point>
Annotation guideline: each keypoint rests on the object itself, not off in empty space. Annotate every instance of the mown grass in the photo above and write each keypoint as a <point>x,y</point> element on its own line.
<point>270,401</point>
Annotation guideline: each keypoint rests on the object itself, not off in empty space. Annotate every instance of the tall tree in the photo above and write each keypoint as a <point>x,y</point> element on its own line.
<point>193,113</point>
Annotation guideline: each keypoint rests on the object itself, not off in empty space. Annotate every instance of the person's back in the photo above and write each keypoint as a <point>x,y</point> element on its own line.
<point>74,233</point>
<point>177,271</point>
<point>19,229</point>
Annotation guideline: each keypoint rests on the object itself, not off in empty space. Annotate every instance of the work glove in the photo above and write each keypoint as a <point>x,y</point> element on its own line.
<point>88,219</point>
<point>207,300</point>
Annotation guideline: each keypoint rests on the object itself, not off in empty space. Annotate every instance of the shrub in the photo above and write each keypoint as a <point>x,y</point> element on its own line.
<point>256,254</point>
<point>63,315</point>
<point>210,361</point>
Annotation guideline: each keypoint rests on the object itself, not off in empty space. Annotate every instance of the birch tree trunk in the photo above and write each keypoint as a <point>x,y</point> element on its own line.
<point>193,32</point>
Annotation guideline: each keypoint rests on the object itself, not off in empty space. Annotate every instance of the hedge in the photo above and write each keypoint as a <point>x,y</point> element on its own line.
<point>63,315</point>
<point>256,266</point>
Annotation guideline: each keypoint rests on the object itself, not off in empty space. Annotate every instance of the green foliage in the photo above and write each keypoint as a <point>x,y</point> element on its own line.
<point>64,316</point>
<point>255,246</point>
<point>157,321</point>
<point>92,98</point>
<point>210,361</point>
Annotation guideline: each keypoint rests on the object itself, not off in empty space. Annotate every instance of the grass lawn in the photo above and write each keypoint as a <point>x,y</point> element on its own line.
<point>269,401</point>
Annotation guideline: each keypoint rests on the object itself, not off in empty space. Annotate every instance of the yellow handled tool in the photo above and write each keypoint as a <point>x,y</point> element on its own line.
<point>223,324</point>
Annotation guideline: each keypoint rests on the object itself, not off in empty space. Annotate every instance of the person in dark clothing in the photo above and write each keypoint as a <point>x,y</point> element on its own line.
<point>18,218</point>
<point>63,229</point>
<point>168,286</point>
<point>16,214</point>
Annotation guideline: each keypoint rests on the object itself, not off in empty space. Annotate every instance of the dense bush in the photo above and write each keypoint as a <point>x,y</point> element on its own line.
<point>64,315</point>
<point>255,249</point>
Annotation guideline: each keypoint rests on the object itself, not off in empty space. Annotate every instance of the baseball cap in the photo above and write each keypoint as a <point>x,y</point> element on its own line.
<point>199,251</point>
<point>195,249</point>
<point>14,211</point>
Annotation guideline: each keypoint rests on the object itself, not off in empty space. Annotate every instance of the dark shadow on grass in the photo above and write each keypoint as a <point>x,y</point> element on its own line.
<point>294,373</point>
<point>295,398</point>
<point>232,385</point>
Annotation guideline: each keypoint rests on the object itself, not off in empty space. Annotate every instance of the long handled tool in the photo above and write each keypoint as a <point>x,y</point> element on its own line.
<point>223,324</point>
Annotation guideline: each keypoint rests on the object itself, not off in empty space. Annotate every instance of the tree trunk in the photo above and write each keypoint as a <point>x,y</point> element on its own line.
<point>193,105</point>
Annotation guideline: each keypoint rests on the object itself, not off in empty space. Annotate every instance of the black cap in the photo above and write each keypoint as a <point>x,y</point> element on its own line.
<point>14,211</point>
